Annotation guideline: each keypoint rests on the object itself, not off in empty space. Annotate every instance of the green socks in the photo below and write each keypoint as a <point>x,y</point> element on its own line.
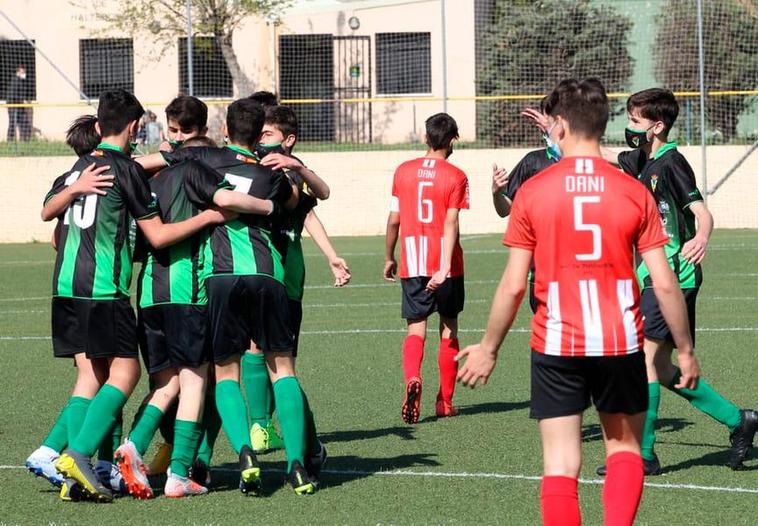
<point>648,431</point>
<point>111,441</point>
<point>77,410</point>
<point>707,400</point>
<point>101,417</point>
<point>145,425</point>
<point>186,440</point>
<point>211,427</point>
<point>312,446</point>
<point>231,407</point>
<point>57,438</point>
<point>257,387</point>
<point>290,406</point>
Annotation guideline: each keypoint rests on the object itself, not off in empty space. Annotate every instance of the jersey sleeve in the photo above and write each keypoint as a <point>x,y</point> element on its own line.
<point>139,200</point>
<point>58,185</point>
<point>281,189</point>
<point>201,183</point>
<point>395,197</point>
<point>631,162</point>
<point>652,233</point>
<point>520,233</point>
<point>683,185</point>
<point>518,175</point>
<point>459,193</point>
<point>181,154</point>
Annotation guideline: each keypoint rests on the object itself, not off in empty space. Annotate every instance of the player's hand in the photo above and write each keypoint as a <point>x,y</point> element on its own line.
<point>437,279</point>
<point>340,270</point>
<point>693,250</point>
<point>390,269</point>
<point>91,181</point>
<point>479,365</point>
<point>165,147</point>
<point>279,161</point>
<point>536,116</point>
<point>690,369</point>
<point>217,216</point>
<point>499,179</point>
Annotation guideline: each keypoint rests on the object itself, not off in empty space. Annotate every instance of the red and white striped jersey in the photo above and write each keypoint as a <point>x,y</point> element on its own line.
<point>422,192</point>
<point>583,219</point>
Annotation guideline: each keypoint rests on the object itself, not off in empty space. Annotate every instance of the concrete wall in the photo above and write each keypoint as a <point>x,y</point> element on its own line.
<point>361,183</point>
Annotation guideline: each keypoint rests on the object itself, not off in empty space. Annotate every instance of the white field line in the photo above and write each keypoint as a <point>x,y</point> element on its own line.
<point>403,331</point>
<point>496,476</point>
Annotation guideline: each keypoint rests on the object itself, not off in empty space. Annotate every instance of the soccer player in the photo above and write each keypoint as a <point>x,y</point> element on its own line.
<point>427,196</point>
<point>587,333</point>
<point>657,163</point>
<point>277,142</point>
<point>91,313</point>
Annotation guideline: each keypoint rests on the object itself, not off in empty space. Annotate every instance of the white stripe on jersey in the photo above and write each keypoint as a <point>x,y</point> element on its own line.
<point>593,325</point>
<point>442,252</point>
<point>625,293</point>
<point>584,166</point>
<point>410,257</point>
<point>428,163</point>
<point>554,326</point>
<point>394,204</point>
<point>423,252</point>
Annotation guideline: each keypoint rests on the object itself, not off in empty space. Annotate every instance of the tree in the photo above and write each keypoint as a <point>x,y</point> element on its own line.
<point>163,21</point>
<point>526,48</point>
<point>730,45</point>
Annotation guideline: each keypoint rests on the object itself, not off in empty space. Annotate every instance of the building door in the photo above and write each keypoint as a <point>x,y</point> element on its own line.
<point>352,80</point>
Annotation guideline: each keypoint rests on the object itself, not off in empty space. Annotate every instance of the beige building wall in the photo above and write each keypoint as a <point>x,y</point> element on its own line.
<point>361,184</point>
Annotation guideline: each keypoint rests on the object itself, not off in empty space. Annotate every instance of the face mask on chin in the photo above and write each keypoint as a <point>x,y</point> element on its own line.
<point>551,147</point>
<point>636,138</point>
<point>262,150</point>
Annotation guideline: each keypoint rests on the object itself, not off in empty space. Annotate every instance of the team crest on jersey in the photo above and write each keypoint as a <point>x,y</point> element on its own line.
<point>654,182</point>
<point>97,153</point>
<point>245,159</point>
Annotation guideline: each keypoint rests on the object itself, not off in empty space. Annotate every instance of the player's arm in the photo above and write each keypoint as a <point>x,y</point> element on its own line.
<point>162,235</point>
<point>674,310</point>
<point>279,161</point>
<point>338,266</point>
<point>499,184</point>
<point>694,249</point>
<point>60,197</point>
<point>481,358</point>
<point>610,155</point>
<point>56,234</point>
<point>153,162</point>
<point>242,203</point>
<point>390,241</point>
<point>450,237</point>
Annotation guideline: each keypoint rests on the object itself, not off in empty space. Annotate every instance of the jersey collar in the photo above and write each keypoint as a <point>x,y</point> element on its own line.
<point>240,149</point>
<point>665,148</point>
<point>108,146</point>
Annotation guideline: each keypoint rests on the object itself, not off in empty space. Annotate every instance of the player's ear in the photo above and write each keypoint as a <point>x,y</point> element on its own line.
<point>97,128</point>
<point>224,130</point>
<point>659,128</point>
<point>290,140</point>
<point>203,131</point>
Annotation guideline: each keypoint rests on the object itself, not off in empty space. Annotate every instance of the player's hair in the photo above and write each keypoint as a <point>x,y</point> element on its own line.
<point>265,98</point>
<point>282,118</point>
<point>655,104</point>
<point>583,103</point>
<point>116,109</point>
<point>441,129</point>
<point>244,121</point>
<point>199,140</point>
<point>82,135</point>
<point>190,112</point>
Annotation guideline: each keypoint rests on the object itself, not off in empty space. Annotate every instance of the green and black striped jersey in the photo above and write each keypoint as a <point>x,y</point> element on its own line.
<point>671,180</point>
<point>242,246</point>
<point>95,248</point>
<point>176,274</point>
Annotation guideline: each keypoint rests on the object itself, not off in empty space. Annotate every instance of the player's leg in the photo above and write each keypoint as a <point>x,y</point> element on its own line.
<point>562,459</point>
<point>417,305</point>
<point>211,426</point>
<point>162,457</point>
<point>260,400</point>
<point>187,433</point>
<point>450,297</point>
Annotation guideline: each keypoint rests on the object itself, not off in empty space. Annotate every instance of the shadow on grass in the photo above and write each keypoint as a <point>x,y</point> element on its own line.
<point>403,432</point>
<point>715,458</point>
<point>489,407</point>
<point>592,432</point>
<point>338,471</point>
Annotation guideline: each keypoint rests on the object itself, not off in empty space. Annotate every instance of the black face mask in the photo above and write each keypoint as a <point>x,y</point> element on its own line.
<point>636,138</point>
<point>262,150</point>
<point>175,145</point>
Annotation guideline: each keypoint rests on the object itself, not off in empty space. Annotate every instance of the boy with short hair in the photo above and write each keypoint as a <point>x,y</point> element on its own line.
<point>91,312</point>
<point>656,162</point>
<point>587,332</point>
<point>427,196</point>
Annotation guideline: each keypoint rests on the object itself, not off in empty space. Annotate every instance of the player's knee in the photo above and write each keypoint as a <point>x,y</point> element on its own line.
<point>562,465</point>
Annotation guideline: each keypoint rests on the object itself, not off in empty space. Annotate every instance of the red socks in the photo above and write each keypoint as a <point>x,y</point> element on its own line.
<point>560,502</point>
<point>448,368</point>
<point>623,488</point>
<point>413,354</point>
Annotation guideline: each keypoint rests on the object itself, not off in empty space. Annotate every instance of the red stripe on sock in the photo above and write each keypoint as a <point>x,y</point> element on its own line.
<point>623,488</point>
<point>449,348</point>
<point>560,502</point>
<point>413,355</point>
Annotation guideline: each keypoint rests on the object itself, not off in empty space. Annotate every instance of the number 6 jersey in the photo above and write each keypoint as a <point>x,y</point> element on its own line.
<point>95,246</point>
<point>583,219</point>
<point>422,192</point>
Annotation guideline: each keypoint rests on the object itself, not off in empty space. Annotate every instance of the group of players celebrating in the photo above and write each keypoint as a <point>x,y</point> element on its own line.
<point>612,263</point>
<point>218,232</point>
<point>613,267</point>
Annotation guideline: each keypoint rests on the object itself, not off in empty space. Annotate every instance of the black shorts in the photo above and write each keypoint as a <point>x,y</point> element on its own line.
<point>173,335</point>
<point>296,320</point>
<point>563,385</point>
<point>248,308</point>
<point>419,303</point>
<point>98,328</point>
<point>655,326</point>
